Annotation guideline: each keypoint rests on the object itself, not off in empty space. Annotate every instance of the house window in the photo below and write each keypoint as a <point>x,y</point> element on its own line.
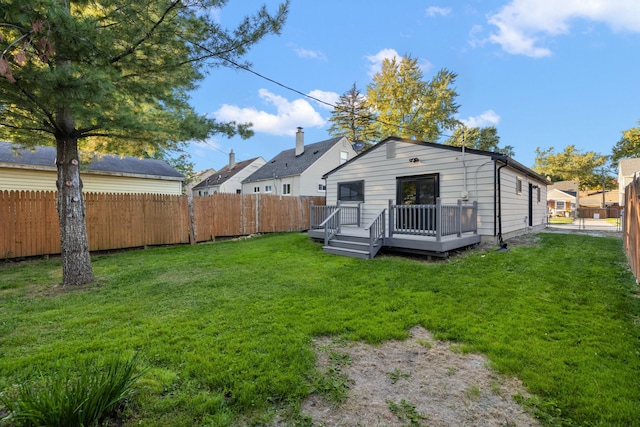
<point>321,187</point>
<point>344,156</point>
<point>518,185</point>
<point>256,189</point>
<point>238,191</point>
<point>286,188</point>
<point>351,191</point>
<point>560,205</point>
<point>267,189</point>
<point>538,194</point>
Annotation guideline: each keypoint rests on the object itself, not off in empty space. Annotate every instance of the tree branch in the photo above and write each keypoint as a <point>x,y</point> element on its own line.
<point>146,37</point>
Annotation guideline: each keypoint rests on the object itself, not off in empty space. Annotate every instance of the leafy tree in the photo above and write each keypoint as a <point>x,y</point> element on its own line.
<point>353,119</point>
<point>628,146</point>
<point>409,107</point>
<point>573,165</point>
<point>114,74</point>
<point>485,138</point>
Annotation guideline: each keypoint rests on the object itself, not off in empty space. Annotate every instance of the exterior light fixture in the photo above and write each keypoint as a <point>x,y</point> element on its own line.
<point>414,160</point>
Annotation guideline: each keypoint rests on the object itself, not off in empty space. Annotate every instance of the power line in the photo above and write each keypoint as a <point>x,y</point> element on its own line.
<point>335,107</point>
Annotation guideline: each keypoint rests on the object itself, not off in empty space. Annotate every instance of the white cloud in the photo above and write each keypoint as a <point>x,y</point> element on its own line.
<point>522,25</point>
<point>435,10</point>
<point>376,61</point>
<point>312,54</point>
<point>328,97</point>
<point>488,118</point>
<point>288,116</point>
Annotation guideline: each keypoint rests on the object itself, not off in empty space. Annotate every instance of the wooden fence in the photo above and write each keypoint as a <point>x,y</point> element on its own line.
<point>631,225</point>
<point>29,219</point>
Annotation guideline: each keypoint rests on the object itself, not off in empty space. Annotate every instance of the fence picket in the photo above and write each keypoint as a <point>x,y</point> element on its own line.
<point>29,220</point>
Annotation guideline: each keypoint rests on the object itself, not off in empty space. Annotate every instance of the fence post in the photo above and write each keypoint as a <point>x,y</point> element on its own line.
<point>192,221</point>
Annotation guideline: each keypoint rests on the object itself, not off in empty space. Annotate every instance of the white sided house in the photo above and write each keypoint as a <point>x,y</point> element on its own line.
<point>628,169</point>
<point>35,170</point>
<point>425,197</point>
<point>299,171</point>
<point>229,178</point>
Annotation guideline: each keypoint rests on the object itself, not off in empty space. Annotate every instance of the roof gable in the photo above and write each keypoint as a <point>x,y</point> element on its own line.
<point>288,164</point>
<point>224,174</point>
<point>45,157</point>
<point>628,167</point>
<point>494,156</point>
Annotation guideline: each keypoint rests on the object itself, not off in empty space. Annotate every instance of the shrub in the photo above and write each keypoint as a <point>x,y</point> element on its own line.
<point>85,396</point>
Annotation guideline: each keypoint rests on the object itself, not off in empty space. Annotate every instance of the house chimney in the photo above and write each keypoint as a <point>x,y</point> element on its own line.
<point>299,141</point>
<point>232,159</point>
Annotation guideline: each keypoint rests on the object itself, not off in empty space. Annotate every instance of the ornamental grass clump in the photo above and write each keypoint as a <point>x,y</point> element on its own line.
<point>82,396</point>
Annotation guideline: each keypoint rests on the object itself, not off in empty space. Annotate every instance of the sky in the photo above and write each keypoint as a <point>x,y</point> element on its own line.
<point>545,73</point>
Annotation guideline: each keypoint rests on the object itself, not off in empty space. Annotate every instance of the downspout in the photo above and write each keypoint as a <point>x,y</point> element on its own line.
<point>498,194</point>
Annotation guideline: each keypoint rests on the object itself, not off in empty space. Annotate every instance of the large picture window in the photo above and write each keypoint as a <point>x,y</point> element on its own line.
<point>351,191</point>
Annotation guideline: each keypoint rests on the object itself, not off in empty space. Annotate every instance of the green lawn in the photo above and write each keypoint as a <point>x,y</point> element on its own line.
<point>225,329</point>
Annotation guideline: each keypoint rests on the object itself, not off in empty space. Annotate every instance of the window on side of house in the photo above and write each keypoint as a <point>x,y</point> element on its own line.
<point>256,189</point>
<point>352,191</point>
<point>238,191</point>
<point>268,189</point>
<point>344,156</point>
<point>560,205</point>
<point>539,192</point>
<point>518,185</point>
<point>286,188</point>
<point>321,187</point>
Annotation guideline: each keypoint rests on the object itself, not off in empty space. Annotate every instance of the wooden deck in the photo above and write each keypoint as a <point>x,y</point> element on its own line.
<point>428,245</point>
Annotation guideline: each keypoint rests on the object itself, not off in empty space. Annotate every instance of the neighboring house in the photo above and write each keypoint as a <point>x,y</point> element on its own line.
<point>299,171</point>
<point>628,169</point>
<point>197,178</point>
<point>229,178</point>
<point>431,197</point>
<point>595,199</point>
<point>561,203</point>
<point>26,169</point>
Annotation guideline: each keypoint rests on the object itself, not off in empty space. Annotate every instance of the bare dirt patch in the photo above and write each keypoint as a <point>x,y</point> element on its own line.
<point>419,381</point>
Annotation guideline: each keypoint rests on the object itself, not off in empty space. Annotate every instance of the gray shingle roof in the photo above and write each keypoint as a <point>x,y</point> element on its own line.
<point>288,164</point>
<point>628,167</point>
<point>224,174</point>
<point>108,163</point>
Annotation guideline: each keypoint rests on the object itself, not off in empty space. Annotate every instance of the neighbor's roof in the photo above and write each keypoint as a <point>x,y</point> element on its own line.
<point>224,174</point>
<point>288,164</point>
<point>43,158</point>
<point>628,167</point>
<point>494,156</point>
<point>566,186</point>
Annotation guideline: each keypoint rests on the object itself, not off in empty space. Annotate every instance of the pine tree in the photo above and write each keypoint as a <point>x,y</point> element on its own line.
<point>353,119</point>
<point>114,74</point>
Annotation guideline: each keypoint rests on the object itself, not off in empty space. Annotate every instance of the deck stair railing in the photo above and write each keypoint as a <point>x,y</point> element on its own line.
<point>377,231</point>
<point>437,220</point>
<point>350,215</point>
<point>331,225</point>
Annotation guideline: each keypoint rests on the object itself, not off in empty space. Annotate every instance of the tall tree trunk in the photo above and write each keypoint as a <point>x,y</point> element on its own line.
<point>74,243</point>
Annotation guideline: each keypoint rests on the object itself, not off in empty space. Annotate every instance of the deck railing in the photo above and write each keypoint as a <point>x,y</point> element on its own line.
<point>331,226</point>
<point>437,220</point>
<point>349,214</point>
<point>377,231</point>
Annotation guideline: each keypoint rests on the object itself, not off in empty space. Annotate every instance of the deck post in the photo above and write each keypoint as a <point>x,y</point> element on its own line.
<point>438,219</point>
<point>359,204</point>
<point>475,217</point>
<point>391,218</point>
<point>459,218</point>
<point>312,219</point>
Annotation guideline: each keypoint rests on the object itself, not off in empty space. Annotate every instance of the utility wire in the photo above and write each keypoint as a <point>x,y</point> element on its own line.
<point>335,107</point>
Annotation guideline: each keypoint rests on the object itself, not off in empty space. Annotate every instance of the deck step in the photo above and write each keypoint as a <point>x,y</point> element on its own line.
<point>353,253</point>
